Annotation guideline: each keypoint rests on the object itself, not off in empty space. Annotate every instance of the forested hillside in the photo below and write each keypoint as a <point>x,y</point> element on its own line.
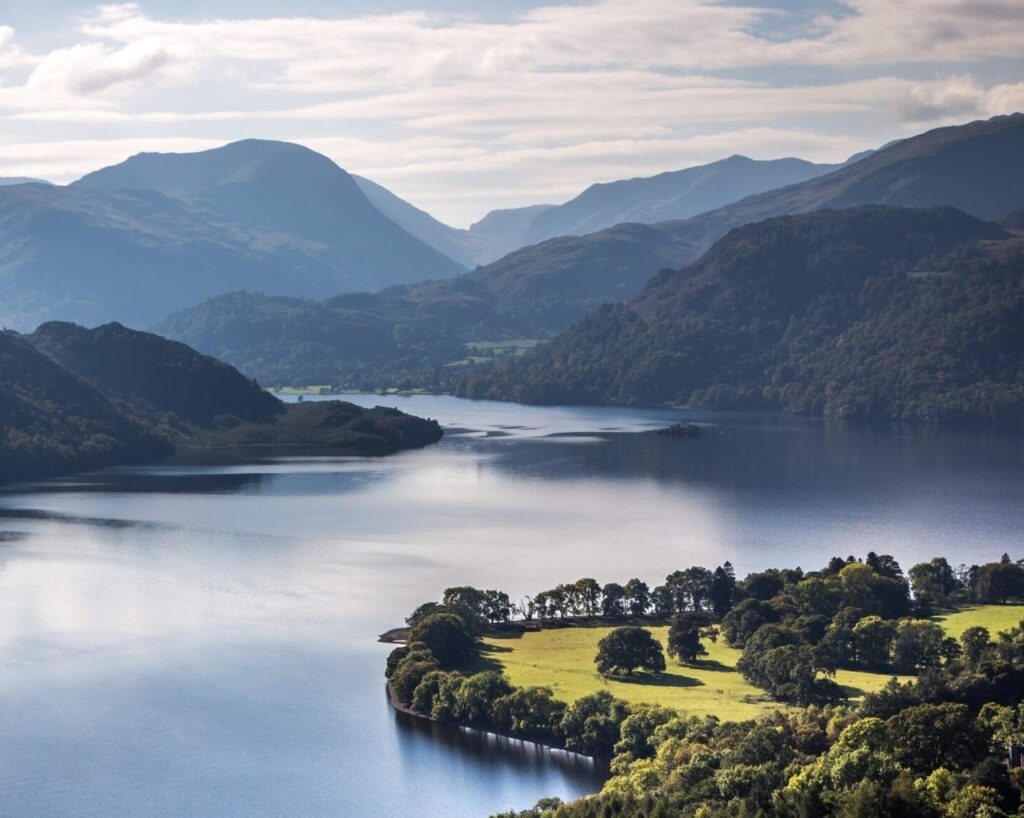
<point>405,336</point>
<point>912,314</point>
<point>76,399</point>
<point>51,421</point>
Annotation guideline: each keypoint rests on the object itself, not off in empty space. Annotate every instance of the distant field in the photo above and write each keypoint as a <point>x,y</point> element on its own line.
<point>563,659</point>
<point>994,617</point>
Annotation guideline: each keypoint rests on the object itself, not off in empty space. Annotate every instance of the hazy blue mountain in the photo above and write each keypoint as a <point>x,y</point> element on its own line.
<point>284,189</point>
<point>879,312</point>
<point>454,243</point>
<point>405,334</point>
<point>977,168</point>
<point>94,255</point>
<point>677,194</point>
<point>502,231</point>
<point>21,180</point>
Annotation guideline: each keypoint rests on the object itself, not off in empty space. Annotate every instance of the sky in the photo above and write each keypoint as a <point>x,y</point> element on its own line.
<point>463,107</point>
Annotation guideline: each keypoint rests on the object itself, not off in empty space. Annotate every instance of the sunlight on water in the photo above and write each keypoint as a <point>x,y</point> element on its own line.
<point>199,639</point>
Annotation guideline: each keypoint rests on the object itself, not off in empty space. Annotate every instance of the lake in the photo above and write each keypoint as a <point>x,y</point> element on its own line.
<point>199,640</point>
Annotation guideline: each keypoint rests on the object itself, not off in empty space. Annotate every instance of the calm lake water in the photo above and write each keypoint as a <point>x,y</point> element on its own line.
<point>187,640</point>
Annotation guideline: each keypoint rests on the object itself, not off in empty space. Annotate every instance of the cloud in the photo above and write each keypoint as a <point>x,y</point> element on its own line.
<point>441,105</point>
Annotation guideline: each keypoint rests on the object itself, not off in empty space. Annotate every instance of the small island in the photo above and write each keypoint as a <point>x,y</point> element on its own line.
<point>680,431</point>
<point>708,695</point>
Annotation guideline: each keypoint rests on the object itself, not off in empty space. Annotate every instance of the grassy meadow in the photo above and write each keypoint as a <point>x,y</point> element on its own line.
<point>994,617</point>
<point>563,659</point>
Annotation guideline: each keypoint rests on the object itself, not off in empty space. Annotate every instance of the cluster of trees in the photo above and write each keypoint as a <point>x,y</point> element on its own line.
<point>870,312</point>
<point>937,583</point>
<point>797,629</point>
<point>692,589</point>
<point>935,746</point>
<point>933,760</point>
<point>945,745</point>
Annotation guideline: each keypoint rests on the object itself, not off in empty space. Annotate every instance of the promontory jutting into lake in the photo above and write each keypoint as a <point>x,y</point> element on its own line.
<point>512,410</point>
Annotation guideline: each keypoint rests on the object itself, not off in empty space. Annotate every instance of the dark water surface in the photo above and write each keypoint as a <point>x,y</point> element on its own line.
<point>187,640</point>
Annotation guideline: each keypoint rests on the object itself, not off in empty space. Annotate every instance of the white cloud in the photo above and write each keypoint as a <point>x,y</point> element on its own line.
<point>446,106</point>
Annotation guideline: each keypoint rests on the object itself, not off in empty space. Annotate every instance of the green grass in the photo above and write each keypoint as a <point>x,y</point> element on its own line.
<point>994,617</point>
<point>563,659</point>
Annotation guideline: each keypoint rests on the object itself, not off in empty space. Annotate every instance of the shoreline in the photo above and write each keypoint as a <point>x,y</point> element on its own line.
<point>416,714</point>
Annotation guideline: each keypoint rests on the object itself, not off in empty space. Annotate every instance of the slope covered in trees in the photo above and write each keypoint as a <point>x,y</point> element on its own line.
<point>82,398</point>
<point>403,336</point>
<point>52,421</point>
<point>914,314</point>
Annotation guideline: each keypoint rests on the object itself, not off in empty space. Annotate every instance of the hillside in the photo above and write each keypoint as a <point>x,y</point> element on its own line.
<point>161,232</point>
<point>404,335</point>
<point>976,168</point>
<point>52,422</point>
<point>674,195</point>
<point>77,399</point>
<point>880,312</point>
<point>286,189</point>
<point>153,375</point>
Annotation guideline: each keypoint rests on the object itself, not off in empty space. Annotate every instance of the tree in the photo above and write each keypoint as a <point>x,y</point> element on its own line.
<point>975,643</point>
<point>476,697</point>
<point>447,637</point>
<point>588,592</point>
<point>917,645</point>
<point>637,732</point>
<point>1001,581</point>
<point>685,633</point>
<point>639,597</point>
<point>591,724</point>
<point>662,602</point>
<point>723,590</point>
<point>873,637</point>
<point>613,598</point>
<point>409,673</point>
<point>529,712</point>
<point>933,582</point>
<point>626,649</point>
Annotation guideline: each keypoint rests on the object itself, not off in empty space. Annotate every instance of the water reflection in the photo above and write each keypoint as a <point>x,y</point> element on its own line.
<point>481,749</point>
<point>203,633</point>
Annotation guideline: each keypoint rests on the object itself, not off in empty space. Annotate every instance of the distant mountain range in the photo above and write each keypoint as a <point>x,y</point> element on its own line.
<point>875,312</point>
<point>404,334</point>
<point>673,195</point>
<point>426,334</point>
<point>75,399</point>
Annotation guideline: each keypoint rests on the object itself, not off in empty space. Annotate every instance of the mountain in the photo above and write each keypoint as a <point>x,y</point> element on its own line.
<point>286,189</point>
<point>407,335</point>
<point>154,375</point>
<point>977,168</point>
<point>51,421</point>
<point>76,398</point>
<point>6,181</point>
<point>454,243</point>
<point>503,231</point>
<point>675,195</point>
<point>877,312</point>
<point>93,255</point>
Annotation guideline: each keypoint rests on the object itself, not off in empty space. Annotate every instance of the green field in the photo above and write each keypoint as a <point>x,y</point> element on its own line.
<point>994,617</point>
<point>563,659</point>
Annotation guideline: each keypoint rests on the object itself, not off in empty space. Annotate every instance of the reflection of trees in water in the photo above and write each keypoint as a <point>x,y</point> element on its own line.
<point>490,750</point>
